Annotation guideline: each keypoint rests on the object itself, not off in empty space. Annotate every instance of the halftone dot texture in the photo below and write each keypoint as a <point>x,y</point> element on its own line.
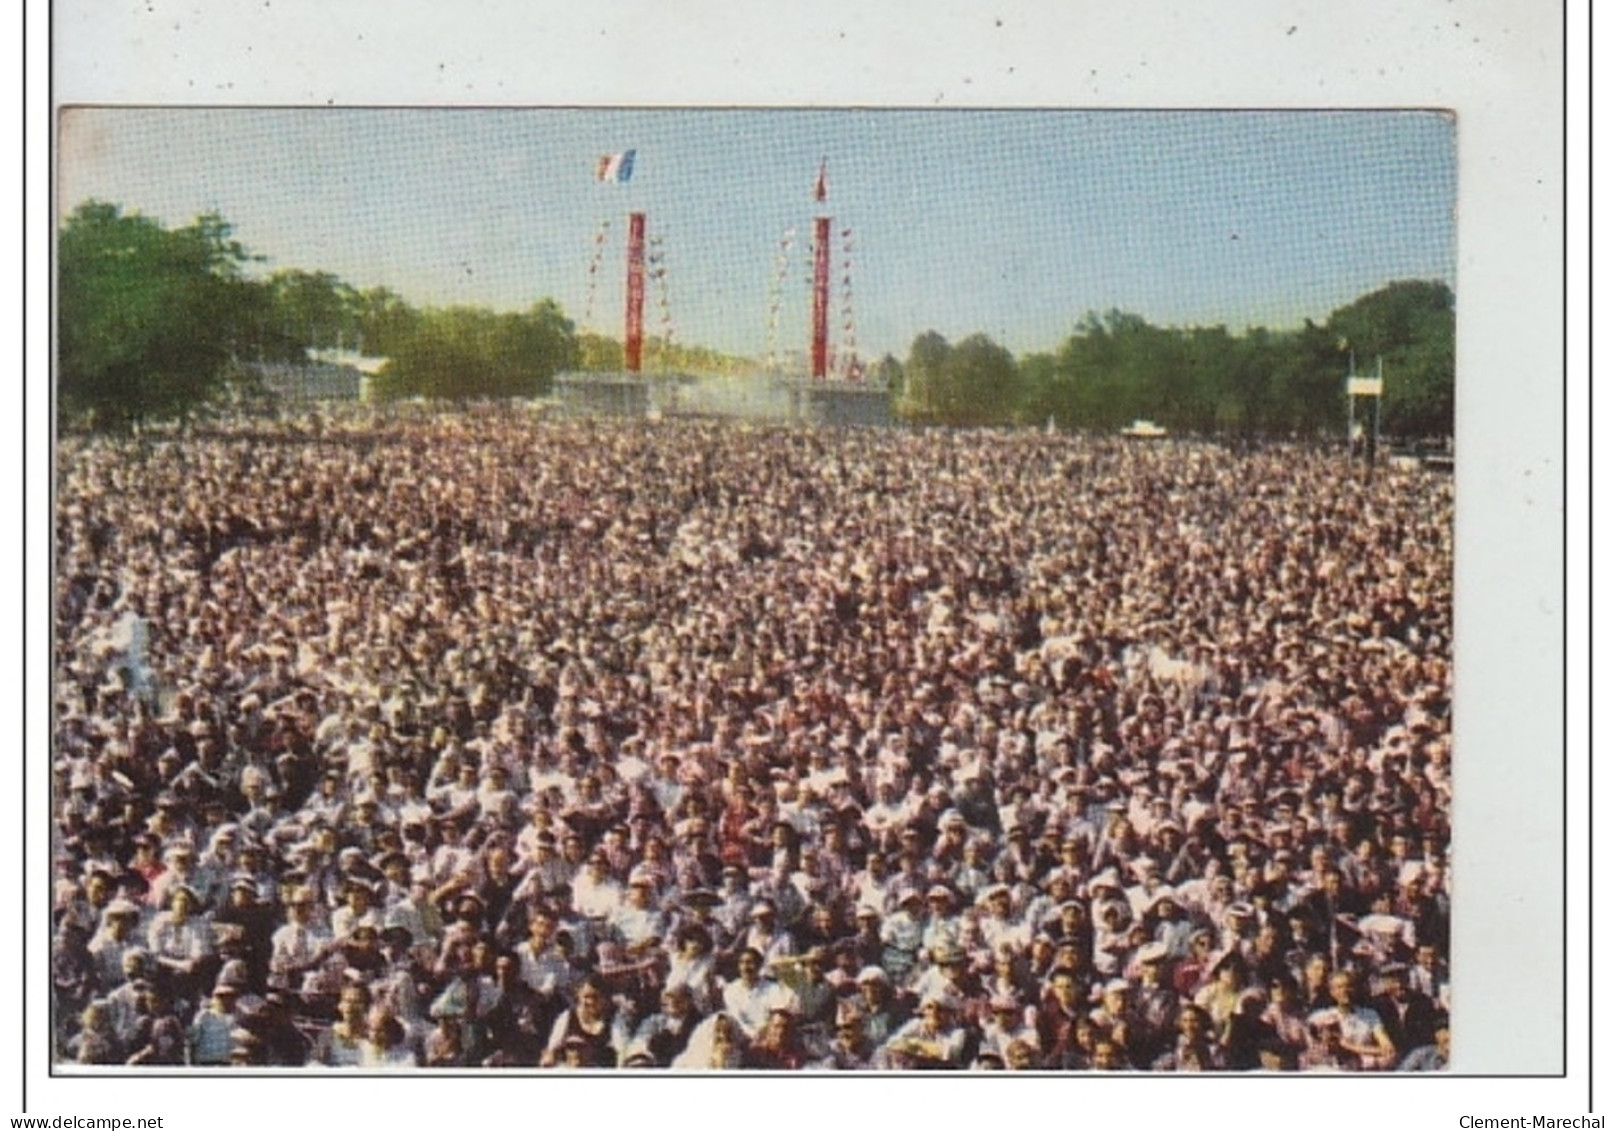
<point>1010,223</point>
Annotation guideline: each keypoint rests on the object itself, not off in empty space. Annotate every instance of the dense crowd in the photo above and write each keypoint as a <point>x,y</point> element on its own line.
<point>483,740</point>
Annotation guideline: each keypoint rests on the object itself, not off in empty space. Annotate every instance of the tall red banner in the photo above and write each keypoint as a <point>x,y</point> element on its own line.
<point>634,336</point>
<point>821,295</point>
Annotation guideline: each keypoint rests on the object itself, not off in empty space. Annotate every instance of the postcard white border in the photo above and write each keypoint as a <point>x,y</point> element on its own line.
<point>1497,63</point>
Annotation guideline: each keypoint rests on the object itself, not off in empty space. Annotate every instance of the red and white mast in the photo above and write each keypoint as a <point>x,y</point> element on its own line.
<point>821,282</point>
<point>634,332</point>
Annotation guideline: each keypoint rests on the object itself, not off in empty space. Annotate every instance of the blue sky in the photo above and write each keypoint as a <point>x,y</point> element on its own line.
<point>1014,223</point>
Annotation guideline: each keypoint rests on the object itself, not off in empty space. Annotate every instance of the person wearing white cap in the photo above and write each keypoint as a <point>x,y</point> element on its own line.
<point>1172,928</point>
<point>1116,1016</point>
<point>942,924</point>
<point>946,972</point>
<point>1008,1020</point>
<point>179,859</point>
<point>880,1016</point>
<point>637,922</point>
<point>999,926</point>
<point>900,936</point>
<point>765,934</point>
<point>358,910</point>
<point>115,938</point>
<point>953,833</point>
<point>1155,1004</point>
<point>934,1039</point>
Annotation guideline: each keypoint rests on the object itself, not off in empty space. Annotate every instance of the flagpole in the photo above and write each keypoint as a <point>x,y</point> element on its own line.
<point>1351,407</point>
<point>1373,446</point>
<point>821,281</point>
<point>634,316</point>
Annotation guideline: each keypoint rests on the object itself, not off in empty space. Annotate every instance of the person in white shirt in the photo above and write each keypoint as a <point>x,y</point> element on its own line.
<point>1362,1032</point>
<point>595,895</point>
<point>749,998</point>
<point>1008,1021</point>
<point>299,946</point>
<point>543,964</point>
<point>765,935</point>
<point>181,942</point>
<point>934,1039</point>
<point>637,921</point>
<point>359,910</point>
<point>997,927</point>
<point>452,860</point>
<point>890,811</point>
<point>693,967</point>
<point>115,939</point>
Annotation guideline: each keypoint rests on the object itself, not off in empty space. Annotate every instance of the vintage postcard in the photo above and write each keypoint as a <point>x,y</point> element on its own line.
<point>550,584</point>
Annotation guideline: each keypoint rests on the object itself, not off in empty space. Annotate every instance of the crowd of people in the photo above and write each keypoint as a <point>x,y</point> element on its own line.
<point>485,740</point>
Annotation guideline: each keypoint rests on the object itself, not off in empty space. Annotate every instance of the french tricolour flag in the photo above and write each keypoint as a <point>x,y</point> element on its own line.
<point>615,167</point>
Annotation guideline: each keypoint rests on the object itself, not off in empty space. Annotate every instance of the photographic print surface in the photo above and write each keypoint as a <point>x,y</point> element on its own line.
<point>688,590</point>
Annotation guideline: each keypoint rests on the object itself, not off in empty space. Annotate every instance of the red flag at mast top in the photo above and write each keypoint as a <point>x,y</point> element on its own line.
<point>821,187</point>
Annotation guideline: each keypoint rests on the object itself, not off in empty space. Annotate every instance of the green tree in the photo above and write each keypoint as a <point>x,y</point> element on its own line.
<point>981,383</point>
<point>1096,374</point>
<point>315,308</point>
<point>888,372</point>
<point>924,378</point>
<point>974,382</point>
<point>1307,383</point>
<point>1410,326</point>
<point>1237,376</point>
<point>463,353</point>
<point>147,318</point>
<point>599,354</point>
<point>382,321</point>
<point>1043,390</point>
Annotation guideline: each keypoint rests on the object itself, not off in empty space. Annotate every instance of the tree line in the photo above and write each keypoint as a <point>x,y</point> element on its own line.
<point>1117,368</point>
<point>155,322</point>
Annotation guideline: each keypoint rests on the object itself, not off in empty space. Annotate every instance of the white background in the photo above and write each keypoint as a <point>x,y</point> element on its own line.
<point>1522,732</point>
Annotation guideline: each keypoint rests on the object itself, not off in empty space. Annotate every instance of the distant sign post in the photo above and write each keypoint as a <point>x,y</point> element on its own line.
<point>1364,387</point>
